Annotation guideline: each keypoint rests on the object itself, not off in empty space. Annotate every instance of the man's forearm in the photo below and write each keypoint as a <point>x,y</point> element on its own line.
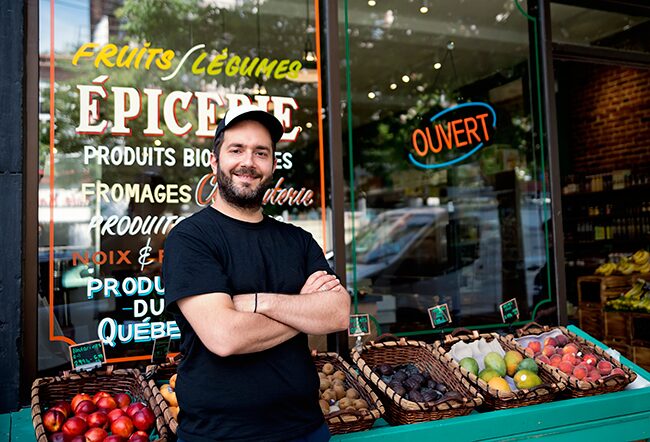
<point>253,332</point>
<point>314,313</point>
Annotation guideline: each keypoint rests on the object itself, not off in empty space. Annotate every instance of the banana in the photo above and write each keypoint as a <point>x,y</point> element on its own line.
<point>641,257</point>
<point>645,268</point>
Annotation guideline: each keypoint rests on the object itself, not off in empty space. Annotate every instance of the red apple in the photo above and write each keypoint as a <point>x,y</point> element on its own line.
<point>78,398</point>
<point>96,435</point>
<point>122,426</point>
<point>100,394</point>
<point>63,407</point>
<point>122,399</point>
<point>56,437</point>
<point>134,408</point>
<point>74,426</point>
<point>53,420</point>
<point>84,416</point>
<point>106,403</point>
<point>114,438</point>
<point>140,433</point>
<point>114,414</point>
<point>98,419</point>
<point>144,419</point>
<point>85,407</point>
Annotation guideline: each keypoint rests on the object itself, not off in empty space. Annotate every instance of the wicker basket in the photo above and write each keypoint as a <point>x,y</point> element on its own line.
<point>576,387</point>
<point>400,410</point>
<point>551,385</point>
<point>340,422</point>
<point>46,391</point>
<point>160,373</point>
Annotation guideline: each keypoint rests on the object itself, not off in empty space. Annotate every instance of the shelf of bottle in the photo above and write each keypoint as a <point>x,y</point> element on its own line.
<point>633,192</point>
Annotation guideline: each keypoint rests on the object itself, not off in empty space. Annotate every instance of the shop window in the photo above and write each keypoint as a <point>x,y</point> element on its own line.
<point>138,88</point>
<point>447,184</point>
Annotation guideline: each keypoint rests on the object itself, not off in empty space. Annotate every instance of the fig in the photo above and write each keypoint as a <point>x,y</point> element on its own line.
<point>386,369</point>
<point>400,376</point>
<point>399,390</point>
<point>415,396</point>
<point>442,388</point>
<point>413,383</point>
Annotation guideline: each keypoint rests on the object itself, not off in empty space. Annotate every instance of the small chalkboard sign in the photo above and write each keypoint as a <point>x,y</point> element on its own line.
<point>359,325</point>
<point>87,355</point>
<point>160,349</point>
<point>509,311</point>
<point>439,315</point>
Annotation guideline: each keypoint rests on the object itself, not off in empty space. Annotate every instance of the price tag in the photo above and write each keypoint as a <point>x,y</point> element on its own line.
<point>160,349</point>
<point>439,315</point>
<point>509,311</point>
<point>359,325</point>
<point>87,355</point>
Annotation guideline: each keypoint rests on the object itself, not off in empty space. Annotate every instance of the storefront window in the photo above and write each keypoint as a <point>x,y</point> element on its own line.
<point>604,29</point>
<point>447,193</point>
<point>130,95</point>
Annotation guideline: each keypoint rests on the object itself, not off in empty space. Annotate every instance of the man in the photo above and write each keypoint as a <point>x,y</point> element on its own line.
<point>246,289</point>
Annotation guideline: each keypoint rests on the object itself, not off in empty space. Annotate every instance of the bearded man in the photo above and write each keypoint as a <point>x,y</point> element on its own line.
<point>246,290</point>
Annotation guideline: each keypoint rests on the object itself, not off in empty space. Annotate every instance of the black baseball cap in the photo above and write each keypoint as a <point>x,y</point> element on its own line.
<point>251,112</point>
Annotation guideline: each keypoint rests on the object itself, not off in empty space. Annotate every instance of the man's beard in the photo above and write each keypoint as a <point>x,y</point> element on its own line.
<point>246,198</point>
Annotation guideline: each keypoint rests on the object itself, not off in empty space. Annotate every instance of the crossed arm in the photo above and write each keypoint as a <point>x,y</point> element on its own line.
<point>322,307</point>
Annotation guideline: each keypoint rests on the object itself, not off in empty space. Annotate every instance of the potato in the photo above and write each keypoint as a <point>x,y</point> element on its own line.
<point>352,393</point>
<point>322,375</point>
<point>328,368</point>
<point>360,404</point>
<point>340,391</point>
<point>324,406</point>
<point>338,374</point>
<point>328,394</point>
<point>345,403</point>
<point>325,384</point>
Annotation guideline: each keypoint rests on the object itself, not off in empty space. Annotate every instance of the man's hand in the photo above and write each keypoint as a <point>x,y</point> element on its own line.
<point>320,281</point>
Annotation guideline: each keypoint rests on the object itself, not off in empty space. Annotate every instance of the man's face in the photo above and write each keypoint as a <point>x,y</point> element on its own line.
<point>245,165</point>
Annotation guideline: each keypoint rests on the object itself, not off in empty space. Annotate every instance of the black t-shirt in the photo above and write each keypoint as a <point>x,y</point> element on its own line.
<point>270,395</point>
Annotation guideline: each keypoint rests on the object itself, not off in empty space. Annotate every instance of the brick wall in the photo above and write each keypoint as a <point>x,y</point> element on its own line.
<point>609,118</point>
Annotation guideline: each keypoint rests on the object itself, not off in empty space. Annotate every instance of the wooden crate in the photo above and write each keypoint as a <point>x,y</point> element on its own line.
<point>599,289</point>
<point>591,319</point>
<point>621,347</point>
<point>641,356</point>
<point>640,329</point>
<point>617,326</point>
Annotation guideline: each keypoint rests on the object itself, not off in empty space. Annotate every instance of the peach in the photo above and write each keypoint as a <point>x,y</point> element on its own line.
<point>604,367</point>
<point>85,407</point>
<point>550,342</point>
<point>590,359</point>
<point>580,371</point>
<point>100,394</point>
<point>529,352</point>
<point>568,357</point>
<point>544,359</point>
<point>570,349</point>
<point>593,376</point>
<point>535,346</point>
<point>618,371</point>
<point>548,351</point>
<point>106,403</point>
<point>561,340</point>
<point>53,420</point>
<point>566,367</point>
<point>555,360</point>
<point>78,398</point>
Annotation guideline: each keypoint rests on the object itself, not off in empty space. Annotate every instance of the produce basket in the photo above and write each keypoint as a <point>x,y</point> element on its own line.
<point>347,421</point>
<point>581,387</point>
<point>46,391</point>
<point>551,385</point>
<point>156,376</point>
<point>400,410</point>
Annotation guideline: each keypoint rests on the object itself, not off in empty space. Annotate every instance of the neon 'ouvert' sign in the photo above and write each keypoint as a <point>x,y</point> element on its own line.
<point>453,135</point>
